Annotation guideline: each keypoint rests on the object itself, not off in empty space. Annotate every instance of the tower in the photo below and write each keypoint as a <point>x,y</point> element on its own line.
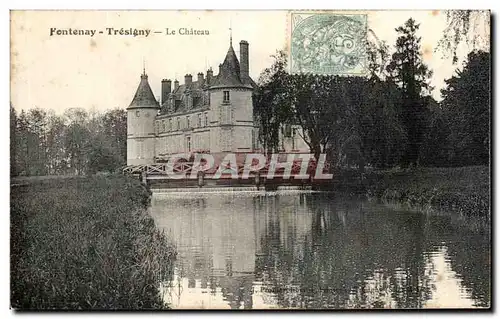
<point>141,115</point>
<point>231,101</point>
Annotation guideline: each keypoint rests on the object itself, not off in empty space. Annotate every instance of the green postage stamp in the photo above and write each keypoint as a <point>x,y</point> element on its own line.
<point>328,43</point>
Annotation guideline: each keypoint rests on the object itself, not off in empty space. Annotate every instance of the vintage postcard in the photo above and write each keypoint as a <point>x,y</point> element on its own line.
<point>293,159</point>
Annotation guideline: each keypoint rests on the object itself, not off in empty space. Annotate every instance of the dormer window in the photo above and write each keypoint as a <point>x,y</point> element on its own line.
<point>226,97</point>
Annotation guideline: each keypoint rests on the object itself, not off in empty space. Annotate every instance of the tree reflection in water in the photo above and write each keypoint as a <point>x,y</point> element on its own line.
<point>318,251</point>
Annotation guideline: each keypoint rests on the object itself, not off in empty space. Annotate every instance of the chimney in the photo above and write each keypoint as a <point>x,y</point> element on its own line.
<point>176,85</point>
<point>188,79</point>
<point>201,78</point>
<point>166,88</point>
<point>210,74</point>
<point>244,65</point>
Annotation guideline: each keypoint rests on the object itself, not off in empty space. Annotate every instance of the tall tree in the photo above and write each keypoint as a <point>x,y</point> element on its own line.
<point>271,102</point>
<point>314,107</point>
<point>409,72</point>
<point>471,27</point>
<point>369,130</point>
<point>435,150</point>
<point>38,127</point>
<point>304,100</point>
<point>77,139</point>
<point>56,151</point>
<point>467,103</point>
<point>352,119</point>
<point>378,56</point>
<point>13,141</point>
<point>77,142</point>
<point>114,123</point>
<point>22,150</point>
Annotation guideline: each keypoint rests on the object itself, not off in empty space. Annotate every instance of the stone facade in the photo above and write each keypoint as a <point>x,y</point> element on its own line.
<point>212,114</point>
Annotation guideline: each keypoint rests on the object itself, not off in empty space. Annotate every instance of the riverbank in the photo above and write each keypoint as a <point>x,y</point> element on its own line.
<point>85,243</point>
<point>464,190</point>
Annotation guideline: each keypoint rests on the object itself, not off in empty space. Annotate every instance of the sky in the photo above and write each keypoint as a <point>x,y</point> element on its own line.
<point>102,72</point>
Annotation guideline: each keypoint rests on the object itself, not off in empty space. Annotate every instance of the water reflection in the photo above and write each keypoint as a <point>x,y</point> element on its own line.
<point>315,251</point>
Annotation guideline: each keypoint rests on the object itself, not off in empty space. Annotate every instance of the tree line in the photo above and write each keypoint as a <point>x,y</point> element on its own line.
<point>382,120</point>
<point>387,118</point>
<point>77,142</point>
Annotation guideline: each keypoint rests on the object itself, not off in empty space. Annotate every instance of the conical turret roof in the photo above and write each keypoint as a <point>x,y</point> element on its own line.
<point>144,97</point>
<point>229,73</point>
<point>231,62</point>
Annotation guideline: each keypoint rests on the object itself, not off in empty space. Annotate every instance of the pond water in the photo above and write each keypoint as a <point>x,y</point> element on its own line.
<point>319,251</point>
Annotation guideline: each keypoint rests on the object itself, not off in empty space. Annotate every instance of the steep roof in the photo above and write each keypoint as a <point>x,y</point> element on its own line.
<point>229,76</point>
<point>195,85</point>
<point>249,81</point>
<point>229,73</point>
<point>144,96</point>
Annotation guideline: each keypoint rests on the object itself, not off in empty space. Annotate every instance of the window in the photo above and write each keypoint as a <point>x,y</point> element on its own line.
<point>199,120</point>
<point>287,130</point>
<point>137,113</point>
<point>253,140</point>
<point>206,98</point>
<point>140,148</point>
<point>196,101</point>
<point>225,114</point>
<point>178,123</point>
<point>226,97</point>
<point>164,125</point>
<point>170,125</point>
<point>188,143</point>
<point>157,127</point>
<point>206,119</point>
<point>226,140</point>
<point>188,122</point>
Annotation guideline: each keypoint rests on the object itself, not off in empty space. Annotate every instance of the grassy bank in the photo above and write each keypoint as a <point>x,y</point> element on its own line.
<point>85,243</point>
<point>465,189</point>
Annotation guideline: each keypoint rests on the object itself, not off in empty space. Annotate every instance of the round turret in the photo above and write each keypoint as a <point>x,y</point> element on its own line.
<point>141,115</point>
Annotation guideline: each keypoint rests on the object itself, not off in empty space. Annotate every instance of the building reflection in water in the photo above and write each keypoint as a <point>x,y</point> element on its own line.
<point>311,251</point>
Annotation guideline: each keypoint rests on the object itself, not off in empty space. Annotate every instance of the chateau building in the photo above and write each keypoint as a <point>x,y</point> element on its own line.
<point>212,114</point>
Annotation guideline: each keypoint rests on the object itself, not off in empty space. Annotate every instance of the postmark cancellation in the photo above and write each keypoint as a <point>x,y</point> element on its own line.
<point>328,43</point>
